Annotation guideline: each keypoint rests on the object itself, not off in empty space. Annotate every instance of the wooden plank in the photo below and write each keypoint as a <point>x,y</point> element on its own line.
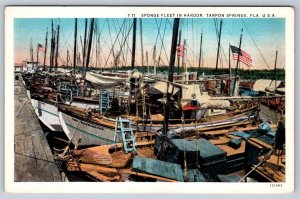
<point>90,167</point>
<point>33,158</point>
<point>255,144</point>
<point>104,178</point>
<point>261,143</point>
<point>231,151</point>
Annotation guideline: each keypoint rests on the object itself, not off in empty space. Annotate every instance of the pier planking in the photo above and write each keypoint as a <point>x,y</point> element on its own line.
<point>33,158</point>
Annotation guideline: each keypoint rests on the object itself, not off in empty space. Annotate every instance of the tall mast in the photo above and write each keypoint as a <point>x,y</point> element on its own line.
<point>52,46</point>
<point>133,43</point>
<point>84,43</point>
<point>275,68</point>
<point>142,46</point>
<point>99,50</point>
<point>200,55</point>
<point>219,41</point>
<point>57,44</point>
<point>97,46</point>
<point>45,53</point>
<point>178,57</point>
<point>89,45</point>
<point>37,56</point>
<point>31,53</point>
<point>170,78</point>
<point>237,62</point>
<point>147,62</point>
<point>75,45</point>
<point>67,58</point>
<point>184,56</point>
<point>153,58</point>
<point>229,64</point>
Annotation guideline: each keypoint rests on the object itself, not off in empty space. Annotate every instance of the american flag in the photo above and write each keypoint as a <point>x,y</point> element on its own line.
<point>244,57</point>
<point>180,50</point>
<point>41,47</point>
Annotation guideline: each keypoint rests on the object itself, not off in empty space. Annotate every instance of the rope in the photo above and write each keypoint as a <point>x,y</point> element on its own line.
<point>162,43</point>
<point>21,108</point>
<point>256,166</point>
<point>255,44</point>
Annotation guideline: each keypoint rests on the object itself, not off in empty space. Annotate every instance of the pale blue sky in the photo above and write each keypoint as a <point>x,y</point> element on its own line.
<point>268,34</point>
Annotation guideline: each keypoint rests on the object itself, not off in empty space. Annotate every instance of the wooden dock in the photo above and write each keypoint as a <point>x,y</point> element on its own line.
<point>33,158</point>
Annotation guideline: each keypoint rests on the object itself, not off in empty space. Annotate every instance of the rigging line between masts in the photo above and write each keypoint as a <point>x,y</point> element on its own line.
<point>111,50</point>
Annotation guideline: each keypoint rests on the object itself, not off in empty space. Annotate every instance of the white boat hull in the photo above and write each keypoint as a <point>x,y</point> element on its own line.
<point>47,114</point>
<point>86,132</point>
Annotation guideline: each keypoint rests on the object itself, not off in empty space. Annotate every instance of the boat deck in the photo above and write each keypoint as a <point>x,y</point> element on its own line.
<point>33,158</point>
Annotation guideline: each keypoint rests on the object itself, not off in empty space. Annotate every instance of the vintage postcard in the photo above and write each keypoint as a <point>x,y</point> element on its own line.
<point>149,99</point>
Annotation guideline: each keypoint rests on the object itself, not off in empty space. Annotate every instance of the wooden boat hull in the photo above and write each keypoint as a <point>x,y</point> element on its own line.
<point>101,131</point>
<point>47,114</point>
<point>187,127</point>
<point>86,132</point>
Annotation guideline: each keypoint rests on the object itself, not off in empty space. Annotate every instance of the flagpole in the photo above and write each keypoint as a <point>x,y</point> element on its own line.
<point>237,62</point>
